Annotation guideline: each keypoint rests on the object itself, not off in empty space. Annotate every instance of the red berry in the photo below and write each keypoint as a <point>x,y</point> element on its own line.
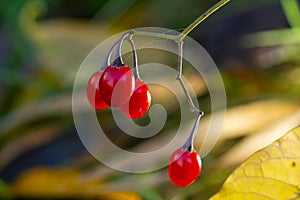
<point>92,92</point>
<point>139,102</point>
<point>118,80</point>
<point>184,167</point>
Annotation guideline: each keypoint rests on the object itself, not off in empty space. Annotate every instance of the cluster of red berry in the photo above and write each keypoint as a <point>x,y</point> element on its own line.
<point>118,86</point>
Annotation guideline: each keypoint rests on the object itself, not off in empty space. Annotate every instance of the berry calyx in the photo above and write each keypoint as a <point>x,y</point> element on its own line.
<point>116,85</point>
<point>184,167</point>
<point>139,102</point>
<point>93,92</point>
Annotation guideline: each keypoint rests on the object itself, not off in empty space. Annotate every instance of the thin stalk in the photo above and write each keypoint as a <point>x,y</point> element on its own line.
<point>107,59</point>
<point>200,19</point>
<point>189,144</point>
<point>135,60</point>
<point>188,29</point>
<point>157,35</point>
<point>118,60</point>
<point>179,78</point>
<point>180,58</point>
<point>188,96</point>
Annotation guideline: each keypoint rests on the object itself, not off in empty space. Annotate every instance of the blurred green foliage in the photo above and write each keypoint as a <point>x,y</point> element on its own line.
<point>4,191</point>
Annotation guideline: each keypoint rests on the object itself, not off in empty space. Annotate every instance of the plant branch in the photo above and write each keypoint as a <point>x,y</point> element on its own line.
<point>200,19</point>
<point>179,39</point>
<point>152,34</point>
<point>179,78</point>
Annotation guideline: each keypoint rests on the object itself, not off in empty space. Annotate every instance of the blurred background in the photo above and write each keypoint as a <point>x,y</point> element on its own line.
<point>255,45</point>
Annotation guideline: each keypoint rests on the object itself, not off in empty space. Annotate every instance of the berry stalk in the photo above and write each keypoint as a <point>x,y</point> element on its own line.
<point>118,60</point>
<point>189,144</point>
<point>135,59</point>
<point>107,59</point>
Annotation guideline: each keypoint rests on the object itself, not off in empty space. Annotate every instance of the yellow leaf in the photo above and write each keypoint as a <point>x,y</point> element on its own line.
<point>271,173</point>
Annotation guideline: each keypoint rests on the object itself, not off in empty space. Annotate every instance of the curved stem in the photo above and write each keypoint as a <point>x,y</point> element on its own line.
<point>107,59</point>
<point>179,78</point>
<point>118,60</point>
<point>189,144</point>
<point>200,19</point>
<point>157,35</point>
<point>119,53</point>
<point>135,61</point>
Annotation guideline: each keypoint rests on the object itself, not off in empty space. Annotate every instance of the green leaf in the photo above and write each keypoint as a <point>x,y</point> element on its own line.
<point>271,173</point>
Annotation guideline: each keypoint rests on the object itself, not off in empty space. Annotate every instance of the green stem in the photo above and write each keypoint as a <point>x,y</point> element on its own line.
<point>200,19</point>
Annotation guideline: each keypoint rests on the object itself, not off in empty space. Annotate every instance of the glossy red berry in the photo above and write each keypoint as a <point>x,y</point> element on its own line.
<point>184,167</point>
<point>139,102</point>
<point>92,92</point>
<point>116,85</point>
